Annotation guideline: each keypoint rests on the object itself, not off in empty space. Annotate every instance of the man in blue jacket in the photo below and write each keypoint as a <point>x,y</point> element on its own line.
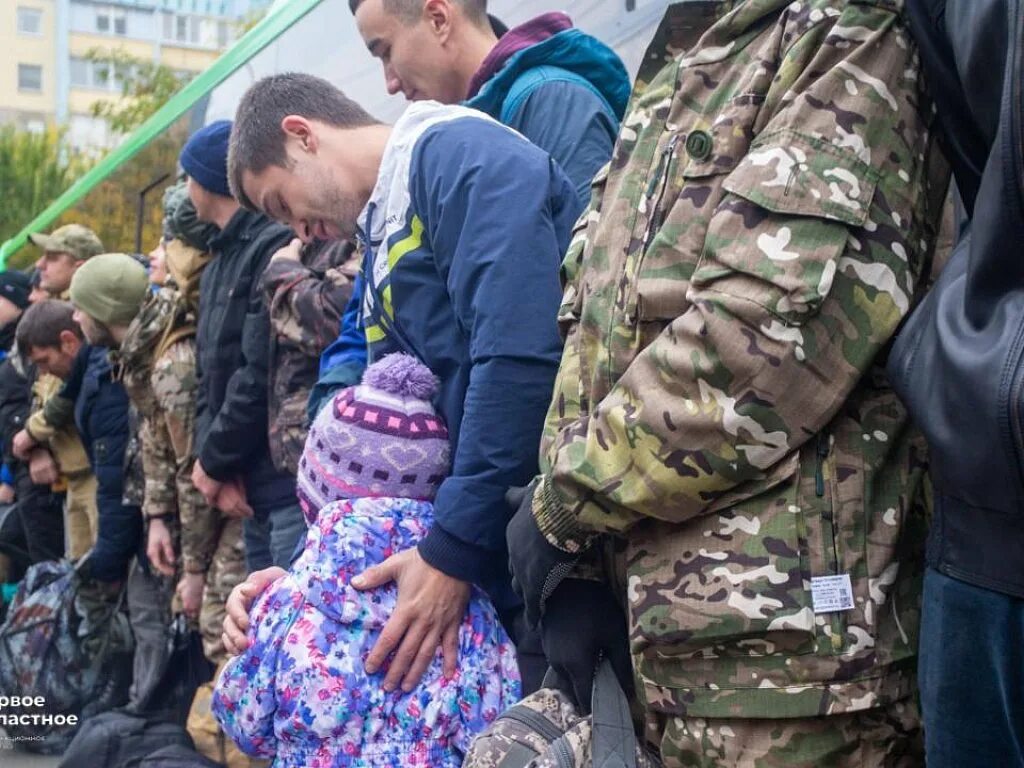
<point>49,336</point>
<point>464,223</point>
<point>562,89</point>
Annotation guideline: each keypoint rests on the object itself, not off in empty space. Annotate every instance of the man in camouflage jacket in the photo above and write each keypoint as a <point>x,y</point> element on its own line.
<point>722,444</point>
<point>307,289</point>
<point>158,362</point>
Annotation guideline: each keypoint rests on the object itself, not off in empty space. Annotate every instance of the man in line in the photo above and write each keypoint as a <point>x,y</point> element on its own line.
<point>39,510</point>
<point>233,468</point>
<point>563,90</point>
<point>464,223</point>
<point>723,448</point>
<point>49,336</point>
<point>957,364</point>
<point>49,442</point>
<point>107,294</point>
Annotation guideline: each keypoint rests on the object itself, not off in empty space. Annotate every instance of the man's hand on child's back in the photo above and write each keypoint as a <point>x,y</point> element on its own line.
<point>236,622</point>
<point>429,612</point>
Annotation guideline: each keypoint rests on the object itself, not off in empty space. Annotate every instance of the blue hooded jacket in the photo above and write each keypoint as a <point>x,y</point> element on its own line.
<point>566,92</point>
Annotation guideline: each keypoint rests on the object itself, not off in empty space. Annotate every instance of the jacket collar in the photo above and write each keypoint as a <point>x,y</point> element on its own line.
<point>534,31</point>
<point>239,229</point>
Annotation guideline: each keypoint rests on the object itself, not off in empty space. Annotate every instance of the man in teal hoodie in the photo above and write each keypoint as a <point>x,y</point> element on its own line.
<point>562,89</point>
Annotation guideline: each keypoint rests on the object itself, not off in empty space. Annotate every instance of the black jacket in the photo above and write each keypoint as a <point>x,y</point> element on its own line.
<point>232,350</point>
<point>101,415</point>
<point>959,362</point>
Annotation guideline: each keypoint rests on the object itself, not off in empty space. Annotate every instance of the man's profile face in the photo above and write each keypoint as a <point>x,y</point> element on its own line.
<point>416,63</point>
<point>52,360</point>
<point>309,196</point>
<point>56,269</point>
<point>200,200</point>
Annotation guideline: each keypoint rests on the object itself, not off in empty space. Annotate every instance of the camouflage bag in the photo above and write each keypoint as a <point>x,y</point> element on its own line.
<point>545,730</point>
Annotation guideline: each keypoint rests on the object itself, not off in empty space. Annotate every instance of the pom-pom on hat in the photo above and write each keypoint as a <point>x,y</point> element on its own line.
<point>382,438</point>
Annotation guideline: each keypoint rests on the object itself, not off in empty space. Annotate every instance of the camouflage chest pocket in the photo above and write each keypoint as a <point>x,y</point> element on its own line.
<point>681,195</point>
<point>777,235</point>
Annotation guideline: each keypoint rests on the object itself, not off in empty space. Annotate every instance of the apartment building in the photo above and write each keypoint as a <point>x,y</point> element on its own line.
<point>47,76</point>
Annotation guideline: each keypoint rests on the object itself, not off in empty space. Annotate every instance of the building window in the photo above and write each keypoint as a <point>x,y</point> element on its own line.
<point>111,22</point>
<point>35,126</point>
<point>181,28</point>
<point>30,78</point>
<point>81,72</point>
<point>30,21</point>
<point>223,34</point>
<point>98,75</point>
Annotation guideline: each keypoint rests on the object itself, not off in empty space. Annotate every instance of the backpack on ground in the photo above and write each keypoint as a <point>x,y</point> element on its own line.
<point>545,730</point>
<point>120,740</point>
<point>178,757</point>
<point>65,641</point>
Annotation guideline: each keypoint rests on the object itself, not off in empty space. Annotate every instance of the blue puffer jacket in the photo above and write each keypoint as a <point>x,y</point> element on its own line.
<point>101,415</point>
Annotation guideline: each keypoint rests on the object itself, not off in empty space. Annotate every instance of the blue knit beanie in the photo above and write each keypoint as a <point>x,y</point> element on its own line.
<point>205,157</point>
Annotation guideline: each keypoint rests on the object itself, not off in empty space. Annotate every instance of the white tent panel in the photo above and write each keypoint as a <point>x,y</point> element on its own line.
<point>326,43</point>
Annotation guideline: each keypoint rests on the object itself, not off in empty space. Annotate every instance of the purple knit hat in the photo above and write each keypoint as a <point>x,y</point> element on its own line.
<point>381,438</point>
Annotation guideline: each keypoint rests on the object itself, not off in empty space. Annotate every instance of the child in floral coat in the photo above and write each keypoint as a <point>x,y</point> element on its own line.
<point>372,463</point>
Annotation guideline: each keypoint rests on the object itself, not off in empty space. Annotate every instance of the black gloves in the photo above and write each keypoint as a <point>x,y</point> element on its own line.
<point>537,566</point>
<point>582,624</point>
<point>580,620</point>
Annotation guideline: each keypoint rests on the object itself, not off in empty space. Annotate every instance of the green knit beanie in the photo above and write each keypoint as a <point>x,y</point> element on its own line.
<point>110,288</point>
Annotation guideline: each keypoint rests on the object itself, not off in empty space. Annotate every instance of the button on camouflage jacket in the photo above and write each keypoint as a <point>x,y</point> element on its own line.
<point>761,231</point>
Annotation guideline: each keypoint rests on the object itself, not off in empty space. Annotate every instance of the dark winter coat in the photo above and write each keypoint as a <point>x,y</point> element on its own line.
<point>959,362</point>
<point>101,416</point>
<point>232,353</point>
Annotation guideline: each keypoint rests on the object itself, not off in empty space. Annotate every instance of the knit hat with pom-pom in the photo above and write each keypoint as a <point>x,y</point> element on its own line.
<point>381,438</point>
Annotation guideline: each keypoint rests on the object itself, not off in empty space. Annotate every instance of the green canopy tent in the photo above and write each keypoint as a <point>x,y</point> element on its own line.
<point>280,18</point>
<point>298,35</point>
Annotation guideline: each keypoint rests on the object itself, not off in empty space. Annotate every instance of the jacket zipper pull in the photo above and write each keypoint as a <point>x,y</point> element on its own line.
<point>657,185</point>
<point>819,474</point>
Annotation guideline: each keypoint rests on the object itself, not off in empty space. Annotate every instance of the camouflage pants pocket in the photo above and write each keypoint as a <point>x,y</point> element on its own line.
<point>708,596</point>
<point>884,737</point>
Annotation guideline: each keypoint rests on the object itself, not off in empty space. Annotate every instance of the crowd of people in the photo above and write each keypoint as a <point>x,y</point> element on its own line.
<point>439,421</point>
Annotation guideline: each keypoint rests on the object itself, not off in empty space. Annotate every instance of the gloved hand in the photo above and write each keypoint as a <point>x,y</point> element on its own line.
<point>537,566</point>
<point>582,623</point>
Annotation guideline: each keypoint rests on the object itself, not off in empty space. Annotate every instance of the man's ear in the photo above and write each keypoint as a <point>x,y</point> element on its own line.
<point>69,342</point>
<point>438,15</point>
<point>301,130</point>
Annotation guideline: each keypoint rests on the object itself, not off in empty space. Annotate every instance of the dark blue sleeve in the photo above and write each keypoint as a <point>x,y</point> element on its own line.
<point>120,525</point>
<point>350,346</point>
<point>572,124</point>
<point>489,202</point>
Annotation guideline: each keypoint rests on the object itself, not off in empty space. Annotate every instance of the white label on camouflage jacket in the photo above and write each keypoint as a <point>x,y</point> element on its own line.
<point>831,593</point>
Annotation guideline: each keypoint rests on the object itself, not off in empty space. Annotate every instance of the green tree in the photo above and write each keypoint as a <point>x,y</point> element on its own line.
<point>34,169</point>
<point>145,87</point>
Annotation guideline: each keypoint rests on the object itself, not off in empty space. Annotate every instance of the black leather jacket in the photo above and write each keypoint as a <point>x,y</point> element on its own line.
<point>959,362</point>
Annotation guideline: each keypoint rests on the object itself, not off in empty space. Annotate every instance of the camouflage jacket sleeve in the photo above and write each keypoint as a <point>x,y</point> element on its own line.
<point>50,411</point>
<point>307,301</point>
<point>168,457</point>
<point>719,358</point>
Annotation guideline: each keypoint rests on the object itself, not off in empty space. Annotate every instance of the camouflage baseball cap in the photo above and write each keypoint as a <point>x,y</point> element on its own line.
<point>81,242</point>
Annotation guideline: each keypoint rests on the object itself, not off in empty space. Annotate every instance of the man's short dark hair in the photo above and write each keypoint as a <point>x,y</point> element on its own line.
<point>409,10</point>
<point>43,323</point>
<point>257,141</point>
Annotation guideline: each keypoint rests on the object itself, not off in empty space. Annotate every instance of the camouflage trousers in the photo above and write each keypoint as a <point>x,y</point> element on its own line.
<point>227,570</point>
<point>884,737</point>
